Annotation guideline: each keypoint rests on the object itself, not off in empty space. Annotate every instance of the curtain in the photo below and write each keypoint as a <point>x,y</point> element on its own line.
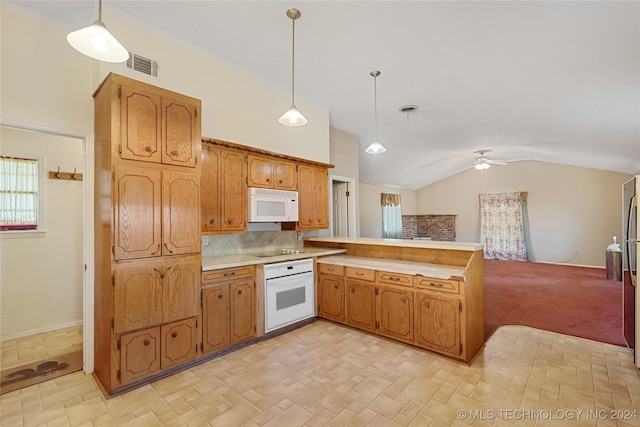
<point>18,193</point>
<point>391,216</point>
<point>502,226</point>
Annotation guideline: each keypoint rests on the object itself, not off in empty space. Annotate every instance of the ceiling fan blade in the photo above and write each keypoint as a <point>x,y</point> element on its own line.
<point>497,162</point>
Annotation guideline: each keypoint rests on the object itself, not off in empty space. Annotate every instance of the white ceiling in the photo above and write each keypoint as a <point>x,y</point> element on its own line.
<point>550,81</point>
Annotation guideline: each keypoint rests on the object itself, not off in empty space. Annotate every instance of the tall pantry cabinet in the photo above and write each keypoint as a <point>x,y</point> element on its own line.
<point>147,231</point>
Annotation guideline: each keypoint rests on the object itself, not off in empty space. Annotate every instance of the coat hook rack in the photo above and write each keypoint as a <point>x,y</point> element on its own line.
<point>73,176</point>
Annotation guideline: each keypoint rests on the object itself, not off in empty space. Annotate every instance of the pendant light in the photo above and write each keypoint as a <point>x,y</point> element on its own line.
<point>375,147</point>
<point>97,42</point>
<point>293,117</point>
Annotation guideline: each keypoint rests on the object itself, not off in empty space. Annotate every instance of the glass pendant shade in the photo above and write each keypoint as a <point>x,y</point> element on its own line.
<point>97,42</point>
<point>293,117</point>
<point>375,148</point>
<point>482,166</point>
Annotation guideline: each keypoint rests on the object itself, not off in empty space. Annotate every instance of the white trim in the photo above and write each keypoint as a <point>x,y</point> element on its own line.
<point>41,330</point>
<point>88,282</point>
<point>352,218</point>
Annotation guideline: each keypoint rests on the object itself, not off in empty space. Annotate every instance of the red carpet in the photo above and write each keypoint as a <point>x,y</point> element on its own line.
<point>577,301</point>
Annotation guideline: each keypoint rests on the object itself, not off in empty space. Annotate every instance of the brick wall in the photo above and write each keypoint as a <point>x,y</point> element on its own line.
<point>438,227</point>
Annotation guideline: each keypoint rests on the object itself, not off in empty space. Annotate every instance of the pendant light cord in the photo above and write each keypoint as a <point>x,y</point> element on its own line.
<point>100,10</point>
<point>293,56</point>
<point>375,102</point>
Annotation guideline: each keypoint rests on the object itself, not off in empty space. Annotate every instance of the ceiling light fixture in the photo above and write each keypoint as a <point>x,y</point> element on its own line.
<point>293,117</point>
<point>375,147</point>
<point>97,42</point>
<point>482,166</point>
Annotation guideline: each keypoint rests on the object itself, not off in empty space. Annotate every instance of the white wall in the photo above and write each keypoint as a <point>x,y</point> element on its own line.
<point>344,156</point>
<point>42,275</point>
<point>371,210</point>
<point>573,212</point>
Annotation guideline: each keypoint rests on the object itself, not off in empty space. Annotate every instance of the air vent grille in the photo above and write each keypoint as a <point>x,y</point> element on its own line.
<point>144,65</point>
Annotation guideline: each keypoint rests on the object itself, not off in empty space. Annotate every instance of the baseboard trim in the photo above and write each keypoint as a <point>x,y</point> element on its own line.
<point>40,330</point>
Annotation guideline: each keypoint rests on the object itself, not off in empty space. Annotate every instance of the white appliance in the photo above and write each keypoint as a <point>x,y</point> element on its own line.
<point>631,258</point>
<point>267,205</point>
<point>289,293</point>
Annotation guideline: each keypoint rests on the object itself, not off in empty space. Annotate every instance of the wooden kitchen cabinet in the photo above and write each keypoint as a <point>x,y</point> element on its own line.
<point>224,190</point>
<point>395,313</point>
<point>271,172</point>
<point>313,197</point>
<point>147,238</point>
<point>360,298</point>
<point>146,198</point>
<point>437,323</point>
<point>331,288</point>
<point>158,128</point>
<point>228,307</point>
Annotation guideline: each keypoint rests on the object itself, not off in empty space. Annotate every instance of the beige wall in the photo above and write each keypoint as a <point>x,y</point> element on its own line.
<point>344,155</point>
<point>41,275</point>
<point>371,210</point>
<point>573,212</point>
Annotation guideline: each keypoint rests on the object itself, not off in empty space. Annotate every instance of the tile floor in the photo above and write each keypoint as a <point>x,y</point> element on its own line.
<point>42,346</point>
<point>326,374</point>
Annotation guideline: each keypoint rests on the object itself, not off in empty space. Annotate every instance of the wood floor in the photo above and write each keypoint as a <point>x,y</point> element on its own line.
<point>327,374</point>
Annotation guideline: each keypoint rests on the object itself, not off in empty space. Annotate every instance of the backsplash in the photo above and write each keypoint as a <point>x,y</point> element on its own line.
<point>252,241</point>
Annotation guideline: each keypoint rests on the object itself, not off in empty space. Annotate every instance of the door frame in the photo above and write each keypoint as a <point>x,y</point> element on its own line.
<point>352,217</point>
<point>87,233</point>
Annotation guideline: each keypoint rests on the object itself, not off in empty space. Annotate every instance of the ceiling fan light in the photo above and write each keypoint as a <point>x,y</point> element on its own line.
<point>293,117</point>
<point>482,166</point>
<point>375,148</point>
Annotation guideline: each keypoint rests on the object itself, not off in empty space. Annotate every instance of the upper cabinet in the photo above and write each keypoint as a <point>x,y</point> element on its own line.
<point>271,172</point>
<point>158,128</point>
<point>313,197</point>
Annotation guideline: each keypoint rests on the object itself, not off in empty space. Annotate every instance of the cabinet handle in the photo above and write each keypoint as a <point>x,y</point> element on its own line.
<point>229,221</point>
<point>147,149</point>
<point>220,296</point>
<point>359,274</point>
<point>353,290</point>
<point>174,153</point>
<point>174,334</point>
<point>437,285</point>
<point>231,273</point>
<point>268,179</point>
<point>336,286</point>
<point>330,269</point>
<point>212,221</point>
<point>395,279</point>
<point>426,304</point>
<point>239,291</point>
<point>403,300</point>
<point>280,182</point>
<point>147,342</point>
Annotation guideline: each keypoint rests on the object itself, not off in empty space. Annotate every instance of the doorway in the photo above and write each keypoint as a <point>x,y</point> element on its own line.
<point>342,221</point>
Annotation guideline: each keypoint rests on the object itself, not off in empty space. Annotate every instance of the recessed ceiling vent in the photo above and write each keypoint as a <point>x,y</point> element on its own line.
<point>144,65</point>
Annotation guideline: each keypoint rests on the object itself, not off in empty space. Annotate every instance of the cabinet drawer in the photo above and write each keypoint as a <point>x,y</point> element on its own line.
<point>361,274</point>
<point>336,270</point>
<point>395,278</point>
<point>450,286</point>
<point>227,274</point>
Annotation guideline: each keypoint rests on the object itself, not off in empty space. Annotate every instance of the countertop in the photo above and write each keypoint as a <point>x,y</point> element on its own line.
<point>437,271</point>
<point>407,243</point>
<point>228,261</point>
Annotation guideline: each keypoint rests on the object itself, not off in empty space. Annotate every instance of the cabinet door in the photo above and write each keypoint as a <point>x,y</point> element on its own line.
<point>180,291</point>
<point>141,115</point>
<point>216,318</point>
<point>320,198</point>
<point>180,133</point>
<point>181,213</point>
<point>260,172</point>
<point>210,193</point>
<point>137,297</point>
<point>437,323</point>
<point>139,354</point>
<point>395,313</point>
<point>361,305</point>
<point>178,343</point>
<point>233,191</point>
<point>331,297</point>
<point>285,175</point>
<point>243,309</point>
<point>137,212</point>
<point>305,197</point>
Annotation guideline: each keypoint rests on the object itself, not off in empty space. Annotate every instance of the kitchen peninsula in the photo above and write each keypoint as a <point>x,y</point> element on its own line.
<point>426,293</point>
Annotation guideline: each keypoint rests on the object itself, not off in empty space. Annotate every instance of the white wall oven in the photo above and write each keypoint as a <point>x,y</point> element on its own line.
<point>289,293</point>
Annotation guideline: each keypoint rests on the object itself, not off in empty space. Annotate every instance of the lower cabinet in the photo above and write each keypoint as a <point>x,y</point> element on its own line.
<point>145,352</point>
<point>331,292</point>
<point>361,305</point>
<point>395,313</point>
<point>228,308</point>
<point>438,323</point>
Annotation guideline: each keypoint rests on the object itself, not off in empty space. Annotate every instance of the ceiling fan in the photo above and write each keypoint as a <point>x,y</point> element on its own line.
<point>483,162</point>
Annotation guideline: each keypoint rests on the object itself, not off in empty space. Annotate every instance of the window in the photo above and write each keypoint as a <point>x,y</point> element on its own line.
<point>504,226</point>
<point>391,216</point>
<point>18,194</point>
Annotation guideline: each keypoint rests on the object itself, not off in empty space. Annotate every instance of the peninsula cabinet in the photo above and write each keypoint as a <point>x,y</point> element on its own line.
<point>331,292</point>
<point>147,233</point>
<point>271,172</point>
<point>223,192</point>
<point>228,307</point>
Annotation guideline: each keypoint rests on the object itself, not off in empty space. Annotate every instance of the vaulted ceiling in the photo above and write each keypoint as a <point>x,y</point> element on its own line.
<point>528,80</point>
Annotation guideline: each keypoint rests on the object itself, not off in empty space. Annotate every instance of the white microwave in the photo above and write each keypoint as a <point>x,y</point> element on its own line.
<point>267,205</point>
